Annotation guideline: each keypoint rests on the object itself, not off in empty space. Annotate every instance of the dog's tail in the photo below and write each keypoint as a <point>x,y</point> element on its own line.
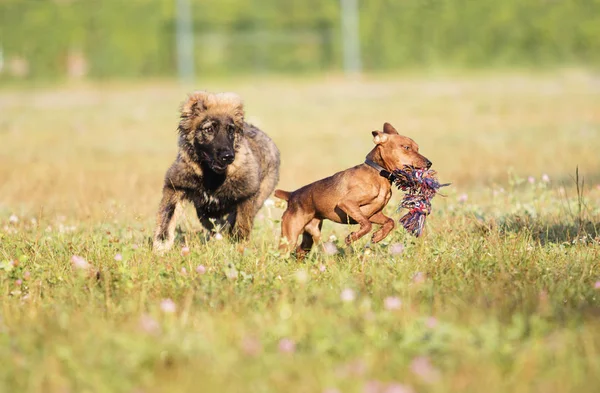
<point>285,195</point>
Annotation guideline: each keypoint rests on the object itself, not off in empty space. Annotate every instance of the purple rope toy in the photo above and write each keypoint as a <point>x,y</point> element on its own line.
<point>420,186</point>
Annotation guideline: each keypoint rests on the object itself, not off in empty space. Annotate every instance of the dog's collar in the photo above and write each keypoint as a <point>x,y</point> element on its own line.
<point>382,171</point>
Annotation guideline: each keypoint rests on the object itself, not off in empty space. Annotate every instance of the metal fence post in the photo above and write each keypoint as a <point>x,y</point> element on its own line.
<point>185,41</point>
<point>350,37</point>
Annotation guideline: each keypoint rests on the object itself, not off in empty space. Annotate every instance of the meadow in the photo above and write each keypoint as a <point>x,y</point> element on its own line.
<point>502,293</point>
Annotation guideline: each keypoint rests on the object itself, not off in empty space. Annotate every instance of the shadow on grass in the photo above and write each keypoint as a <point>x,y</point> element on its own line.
<point>551,232</point>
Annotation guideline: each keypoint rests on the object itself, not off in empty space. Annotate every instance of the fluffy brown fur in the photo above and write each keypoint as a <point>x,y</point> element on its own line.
<point>225,167</point>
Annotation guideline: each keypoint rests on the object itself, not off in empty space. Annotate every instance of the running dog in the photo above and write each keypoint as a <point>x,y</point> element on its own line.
<point>354,196</point>
<point>226,167</point>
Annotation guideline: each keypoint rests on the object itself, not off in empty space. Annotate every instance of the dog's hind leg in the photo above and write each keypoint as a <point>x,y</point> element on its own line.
<point>166,219</point>
<point>311,235</point>
<point>353,211</point>
<point>387,226</point>
<point>292,225</point>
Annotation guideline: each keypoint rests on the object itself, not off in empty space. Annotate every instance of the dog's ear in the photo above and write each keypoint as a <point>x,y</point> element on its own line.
<point>379,137</point>
<point>195,104</point>
<point>389,129</point>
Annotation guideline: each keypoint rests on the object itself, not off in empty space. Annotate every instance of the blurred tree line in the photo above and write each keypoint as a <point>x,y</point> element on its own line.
<point>117,38</point>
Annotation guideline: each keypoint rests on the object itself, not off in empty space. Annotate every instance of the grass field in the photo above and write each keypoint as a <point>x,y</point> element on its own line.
<point>501,295</point>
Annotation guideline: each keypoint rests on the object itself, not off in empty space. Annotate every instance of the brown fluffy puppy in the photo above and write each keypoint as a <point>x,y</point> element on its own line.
<point>225,167</point>
<point>354,196</point>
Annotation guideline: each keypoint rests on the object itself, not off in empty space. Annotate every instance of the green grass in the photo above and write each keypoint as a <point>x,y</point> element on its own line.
<point>499,296</point>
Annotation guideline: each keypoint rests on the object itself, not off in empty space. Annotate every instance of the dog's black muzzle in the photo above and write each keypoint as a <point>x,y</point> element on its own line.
<point>225,156</point>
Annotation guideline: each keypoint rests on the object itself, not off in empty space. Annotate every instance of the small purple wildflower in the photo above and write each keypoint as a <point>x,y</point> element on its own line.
<point>431,322</point>
<point>354,368</point>
<point>13,219</point>
<point>347,295</point>
<point>322,268</point>
<point>184,271</point>
<point>185,251</point>
<point>118,257</point>
<point>597,285</point>
<point>19,282</point>
<point>395,387</point>
<point>79,263</point>
<point>422,367</point>
<point>373,386</point>
<point>251,346</point>
<point>26,275</point>
<point>396,248</point>
<point>200,269</point>
<point>168,306</point>
<point>287,345</point>
<point>392,303</point>
<point>531,179</point>
<point>419,278</point>
<point>545,178</point>
<point>149,325</point>
<point>463,198</point>
<point>330,248</point>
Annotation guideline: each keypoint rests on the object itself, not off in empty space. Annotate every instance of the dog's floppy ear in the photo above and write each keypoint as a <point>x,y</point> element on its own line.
<point>389,129</point>
<point>379,137</point>
<point>195,104</point>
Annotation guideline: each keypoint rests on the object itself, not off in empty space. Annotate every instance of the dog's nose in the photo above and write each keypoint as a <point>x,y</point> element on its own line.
<point>428,163</point>
<point>226,157</point>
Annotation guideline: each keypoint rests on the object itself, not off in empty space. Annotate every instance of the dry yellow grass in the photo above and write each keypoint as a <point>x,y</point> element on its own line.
<point>84,150</point>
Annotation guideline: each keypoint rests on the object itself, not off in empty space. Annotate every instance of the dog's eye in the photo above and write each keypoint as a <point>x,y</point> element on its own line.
<point>230,129</point>
<point>208,129</point>
<point>406,147</point>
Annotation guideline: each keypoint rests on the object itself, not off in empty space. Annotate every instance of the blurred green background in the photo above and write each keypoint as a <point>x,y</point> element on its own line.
<point>55,39</point>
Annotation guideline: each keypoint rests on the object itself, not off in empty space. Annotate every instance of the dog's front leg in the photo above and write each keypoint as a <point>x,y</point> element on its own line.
<point>352,210</point>
<point>387,226</point>
<point>166,219</point>
<point>243,219</point>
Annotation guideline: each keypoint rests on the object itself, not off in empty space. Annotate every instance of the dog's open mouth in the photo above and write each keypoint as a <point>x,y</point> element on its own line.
<point>218,168</point>
<point>213,164</point>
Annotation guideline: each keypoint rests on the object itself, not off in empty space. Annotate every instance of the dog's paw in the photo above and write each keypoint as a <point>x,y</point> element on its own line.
<point>160,248</point>
<point>378,236</point>
<point>349,239</point>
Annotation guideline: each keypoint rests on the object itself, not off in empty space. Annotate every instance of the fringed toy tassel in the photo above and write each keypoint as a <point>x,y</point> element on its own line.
<point>420,186</point>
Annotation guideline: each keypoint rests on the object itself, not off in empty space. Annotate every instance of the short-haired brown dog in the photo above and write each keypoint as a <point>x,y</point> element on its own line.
<point>354,196</point>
